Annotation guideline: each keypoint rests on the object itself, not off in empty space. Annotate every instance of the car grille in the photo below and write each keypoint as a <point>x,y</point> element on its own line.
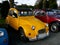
<point>41,31</point>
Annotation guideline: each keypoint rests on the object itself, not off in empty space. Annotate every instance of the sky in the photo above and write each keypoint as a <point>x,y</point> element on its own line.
<point>58,1</point>
<point>29,2</point>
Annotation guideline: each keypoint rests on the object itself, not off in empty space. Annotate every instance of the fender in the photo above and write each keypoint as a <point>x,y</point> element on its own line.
<point>27,31</point>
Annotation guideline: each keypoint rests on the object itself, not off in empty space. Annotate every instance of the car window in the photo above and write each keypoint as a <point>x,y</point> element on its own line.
<point>14,14</point>
<point>25,13</point>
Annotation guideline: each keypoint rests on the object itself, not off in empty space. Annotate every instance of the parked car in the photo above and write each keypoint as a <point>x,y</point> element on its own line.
<point>3,36</point>
<point>28,27</point>
<point>57,12</point>
<point>51,18</point>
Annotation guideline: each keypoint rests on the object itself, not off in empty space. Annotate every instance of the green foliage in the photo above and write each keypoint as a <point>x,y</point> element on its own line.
<point>25,6</point>
<point>53,4</point>
<point>47,4</point>
<point>11,3</point>
<point>0,5</point>
<point>2,21</point>
<point>40,5</point>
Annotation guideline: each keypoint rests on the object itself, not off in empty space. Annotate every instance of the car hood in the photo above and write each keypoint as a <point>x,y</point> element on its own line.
<point>31,20</point>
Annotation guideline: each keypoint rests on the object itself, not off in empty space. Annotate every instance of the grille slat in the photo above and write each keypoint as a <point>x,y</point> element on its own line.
<point>41,31</point>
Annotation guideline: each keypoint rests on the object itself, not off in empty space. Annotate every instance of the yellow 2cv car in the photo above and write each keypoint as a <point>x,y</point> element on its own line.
<point>25,23</point>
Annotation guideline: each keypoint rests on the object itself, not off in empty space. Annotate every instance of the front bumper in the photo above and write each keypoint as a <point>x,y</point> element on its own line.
<point>40,36</point>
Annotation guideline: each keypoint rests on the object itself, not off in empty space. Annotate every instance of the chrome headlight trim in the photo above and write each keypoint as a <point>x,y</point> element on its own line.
<point>33,27</point>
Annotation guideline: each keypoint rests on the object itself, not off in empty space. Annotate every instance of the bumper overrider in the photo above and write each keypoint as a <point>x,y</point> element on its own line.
<point>39,36</point>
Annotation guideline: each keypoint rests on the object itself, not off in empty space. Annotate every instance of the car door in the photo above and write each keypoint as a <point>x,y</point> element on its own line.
<point>10,17</point>
<point>13,19</point>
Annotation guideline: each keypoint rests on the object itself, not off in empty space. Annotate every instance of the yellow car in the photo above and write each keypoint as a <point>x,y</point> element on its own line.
<point>28,27</point>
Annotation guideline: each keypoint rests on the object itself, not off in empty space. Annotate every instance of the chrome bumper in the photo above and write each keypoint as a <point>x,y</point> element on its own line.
<point>40,36</point>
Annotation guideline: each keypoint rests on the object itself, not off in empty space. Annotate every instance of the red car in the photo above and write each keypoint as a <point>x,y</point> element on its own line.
<point>51,18</point>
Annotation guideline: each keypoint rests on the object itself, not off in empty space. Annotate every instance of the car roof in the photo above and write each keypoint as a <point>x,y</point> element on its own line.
<point>23,9</point>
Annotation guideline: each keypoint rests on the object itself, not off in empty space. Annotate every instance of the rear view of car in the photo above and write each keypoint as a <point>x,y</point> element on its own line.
<point>3,37</point>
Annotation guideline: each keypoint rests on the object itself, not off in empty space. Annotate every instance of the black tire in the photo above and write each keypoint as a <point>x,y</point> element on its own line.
<point>22,35</point>
<point>54,27</point>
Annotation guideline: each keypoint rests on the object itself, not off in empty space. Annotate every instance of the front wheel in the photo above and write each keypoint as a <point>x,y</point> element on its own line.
<point>54,27</point>
<point>22,34</point>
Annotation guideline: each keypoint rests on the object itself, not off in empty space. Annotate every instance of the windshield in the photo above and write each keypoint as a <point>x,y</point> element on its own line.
<point>25,13</point>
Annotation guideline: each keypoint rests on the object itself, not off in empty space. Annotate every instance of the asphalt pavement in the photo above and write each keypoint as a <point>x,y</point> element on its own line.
<point>53,39</point>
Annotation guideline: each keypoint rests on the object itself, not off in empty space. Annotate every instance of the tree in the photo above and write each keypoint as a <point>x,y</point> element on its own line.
<point>0,5</point>
<point>0,10</point>
<point>11,3</point>
<point>25,6</point>
<point>42,4</point>
<point>4,8</point>
<point>53,4</point>
<point>47,4</point>
<point>39,5</point>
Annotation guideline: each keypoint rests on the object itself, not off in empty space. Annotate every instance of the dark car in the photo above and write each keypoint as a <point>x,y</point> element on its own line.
<point>51,18</point>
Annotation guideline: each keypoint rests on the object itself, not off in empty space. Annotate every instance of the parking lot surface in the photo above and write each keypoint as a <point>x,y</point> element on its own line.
<point>53,39</point>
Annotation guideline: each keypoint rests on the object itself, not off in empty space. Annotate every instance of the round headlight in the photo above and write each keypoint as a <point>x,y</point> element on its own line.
<point>33,28</point>
<point>1,33</point>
